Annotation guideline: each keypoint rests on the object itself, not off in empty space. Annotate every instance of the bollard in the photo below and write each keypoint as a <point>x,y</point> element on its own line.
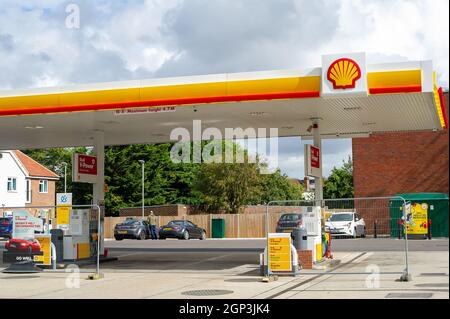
<point>375,229</point>
<point>53,255</point>
<point>429,229</point>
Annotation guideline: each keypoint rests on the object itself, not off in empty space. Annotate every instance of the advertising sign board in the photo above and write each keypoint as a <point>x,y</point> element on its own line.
<point>45,258</point>
<point>279,252</point>
<point>417,219</point>
<point>24,225</point>
<point>63,202</point>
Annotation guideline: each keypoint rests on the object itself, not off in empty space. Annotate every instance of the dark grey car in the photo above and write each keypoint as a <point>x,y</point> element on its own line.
<point>182,229</point>
<point>132,229</point>
<point>288,222</point>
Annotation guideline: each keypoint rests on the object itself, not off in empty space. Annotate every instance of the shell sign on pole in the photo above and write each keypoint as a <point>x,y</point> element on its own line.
<point>344,74</point>
<point>84,168</point>
<point>312,161</point>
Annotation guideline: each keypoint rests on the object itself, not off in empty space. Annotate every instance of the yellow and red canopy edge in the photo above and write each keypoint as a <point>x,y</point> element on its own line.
<point>385,82</point>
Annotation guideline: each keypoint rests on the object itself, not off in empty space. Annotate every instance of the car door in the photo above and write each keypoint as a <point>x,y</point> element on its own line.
<point>193,230</point>
<point>145,227</point>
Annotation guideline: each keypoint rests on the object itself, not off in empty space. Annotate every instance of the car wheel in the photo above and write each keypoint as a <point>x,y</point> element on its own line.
<point>118,238</point>
<point>363,235</point>
<point>355,234</point>
<point>141,235</point>
<point>202,236</point>
<point>186,235</point>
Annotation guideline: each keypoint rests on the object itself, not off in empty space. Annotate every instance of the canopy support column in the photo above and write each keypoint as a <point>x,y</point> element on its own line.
<point>99,151</point>
<point>99,186</point>
<point>318,181</point>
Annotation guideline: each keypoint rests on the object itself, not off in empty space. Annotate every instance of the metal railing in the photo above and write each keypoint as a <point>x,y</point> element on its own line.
<point>366,206</point>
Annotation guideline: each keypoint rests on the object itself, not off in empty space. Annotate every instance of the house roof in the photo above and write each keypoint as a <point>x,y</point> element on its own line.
<point>34,168</point>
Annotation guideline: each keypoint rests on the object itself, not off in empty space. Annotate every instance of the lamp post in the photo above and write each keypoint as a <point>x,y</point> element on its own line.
<point>65,177</point>
<point>143,197</point>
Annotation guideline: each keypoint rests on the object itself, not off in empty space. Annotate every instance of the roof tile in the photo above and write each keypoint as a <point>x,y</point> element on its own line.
<point>34,168</point>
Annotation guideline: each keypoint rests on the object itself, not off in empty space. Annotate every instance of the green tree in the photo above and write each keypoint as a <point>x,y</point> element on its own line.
<point>340,182</point>
<point>212,186</point>
<point>53,158</point>
<point>277,186</point>
<point>229,186</point>
<point>165,182</point>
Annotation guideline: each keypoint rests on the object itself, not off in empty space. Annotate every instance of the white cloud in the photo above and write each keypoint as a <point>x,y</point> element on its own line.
<point>405,30</point>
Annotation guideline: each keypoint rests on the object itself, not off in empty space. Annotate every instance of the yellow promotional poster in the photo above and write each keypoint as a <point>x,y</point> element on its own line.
<point>62,215</point>
<point>45,242</point>
<point>279,252</point>
<point>418,219</point>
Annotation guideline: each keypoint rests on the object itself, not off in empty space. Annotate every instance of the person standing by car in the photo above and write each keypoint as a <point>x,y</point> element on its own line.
<point>152,220</point>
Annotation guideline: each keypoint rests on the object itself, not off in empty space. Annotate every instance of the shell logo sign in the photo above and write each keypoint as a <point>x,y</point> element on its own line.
<point>344,73</point>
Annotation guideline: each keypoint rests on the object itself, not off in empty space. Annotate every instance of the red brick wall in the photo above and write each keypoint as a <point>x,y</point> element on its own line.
<point>390,163</point>
<point>43,199</point>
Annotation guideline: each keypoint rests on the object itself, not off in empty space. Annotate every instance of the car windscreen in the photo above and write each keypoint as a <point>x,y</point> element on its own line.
<point>177,222</point>
<point>341,217</point>
<point>290,217</point>
<point>131,222</point>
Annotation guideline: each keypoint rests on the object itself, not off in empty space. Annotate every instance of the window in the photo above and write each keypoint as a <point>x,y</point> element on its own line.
<point>290,217</point>
<point>28,191</point>
<point>43,186</point>
<point>12,184</point>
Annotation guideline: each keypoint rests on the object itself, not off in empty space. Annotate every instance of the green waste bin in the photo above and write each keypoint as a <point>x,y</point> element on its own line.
<point>438,211</point>
<point>218,228</point>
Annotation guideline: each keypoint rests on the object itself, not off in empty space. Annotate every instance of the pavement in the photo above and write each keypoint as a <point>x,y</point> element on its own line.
<point>230,269</point>
<point>257,245</point>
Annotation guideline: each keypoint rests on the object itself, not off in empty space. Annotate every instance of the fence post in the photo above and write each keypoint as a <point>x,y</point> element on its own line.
<point>238,229</point>
<point>210,225</point>
<point>406,276</point>
<point>429,229</point>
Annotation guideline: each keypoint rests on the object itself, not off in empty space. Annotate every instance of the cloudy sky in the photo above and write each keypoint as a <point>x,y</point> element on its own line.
<point>134,39</point>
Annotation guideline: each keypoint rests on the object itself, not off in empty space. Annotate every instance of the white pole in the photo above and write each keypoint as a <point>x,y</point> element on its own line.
<point>143,187</point>
<point>99,186</point>
<point>65,178</point>
<point>143,195</point>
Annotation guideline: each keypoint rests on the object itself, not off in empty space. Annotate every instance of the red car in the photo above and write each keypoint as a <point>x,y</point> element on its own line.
<point>23,245</point>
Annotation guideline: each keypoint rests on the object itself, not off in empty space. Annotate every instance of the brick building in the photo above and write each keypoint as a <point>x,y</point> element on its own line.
<point>24,182</point>
<point>407,162</point>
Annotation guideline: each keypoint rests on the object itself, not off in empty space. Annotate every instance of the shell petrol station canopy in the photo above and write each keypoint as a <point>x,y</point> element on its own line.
<point>348,97</point>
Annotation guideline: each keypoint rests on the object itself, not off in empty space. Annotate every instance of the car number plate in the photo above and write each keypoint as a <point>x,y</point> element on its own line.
<point>288,230</point>
<point>123,232</point>
<point>167,228</point>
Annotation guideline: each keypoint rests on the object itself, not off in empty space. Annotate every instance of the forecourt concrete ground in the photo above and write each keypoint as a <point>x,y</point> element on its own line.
<point>173,269</point>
